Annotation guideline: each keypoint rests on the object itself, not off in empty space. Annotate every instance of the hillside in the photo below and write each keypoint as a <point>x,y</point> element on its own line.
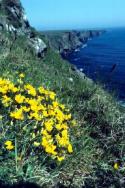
<point>98,139</point>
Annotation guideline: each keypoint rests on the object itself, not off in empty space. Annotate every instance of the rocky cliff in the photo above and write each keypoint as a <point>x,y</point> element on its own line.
<point>13,20</point>
<point>67,41</point>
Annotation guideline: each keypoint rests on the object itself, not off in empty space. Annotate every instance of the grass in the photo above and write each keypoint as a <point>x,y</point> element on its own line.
<point>98,138</point>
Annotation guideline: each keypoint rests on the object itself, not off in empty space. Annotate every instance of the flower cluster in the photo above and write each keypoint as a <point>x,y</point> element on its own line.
<point>49,121</point>
<point>9,145</point>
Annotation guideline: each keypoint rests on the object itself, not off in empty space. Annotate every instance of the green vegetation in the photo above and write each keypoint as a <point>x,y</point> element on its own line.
<point>98,138</point>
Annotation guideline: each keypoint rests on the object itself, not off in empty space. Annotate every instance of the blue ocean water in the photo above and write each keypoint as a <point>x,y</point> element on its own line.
<point>103,60</point>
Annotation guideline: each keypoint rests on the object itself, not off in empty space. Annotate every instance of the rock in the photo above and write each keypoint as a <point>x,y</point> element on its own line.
<point>14,20</point>
<point>66,42</point>
<point>38,45</point>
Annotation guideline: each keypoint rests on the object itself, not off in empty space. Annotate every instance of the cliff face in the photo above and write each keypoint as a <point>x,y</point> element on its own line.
<point>13,20</point>
<point>64,42</point>
<point>13,16</point>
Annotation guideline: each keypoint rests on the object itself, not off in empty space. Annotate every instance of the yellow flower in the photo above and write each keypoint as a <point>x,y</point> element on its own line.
<point>44,142</point>
<point>8,142</point>
<point>64,126</point>
<point>51,149</point>
<point>48,149</point>
<point>116,166</point>
<point>34,107</point>
<point>9,145</point>
<point>32,102</point>
<point>40,98</point>
<point>13,88</point>
<point>49,125</point>
<point>52,95</point>
<point>25,109</point>
<point>6,100</point>
<point>62,141</point>
<point>44,132</point>
<point>41,90</point>
<point>67,117</point>
<point>45,114</point>
<point>30,89</point>
<point>22,75</point>
<point>60,158</point>
<point>59,115</point>
<point>35,115</point>
<point>70,150</point>
<point>65,133</point>
<point>4,89</point>
<point>18,114</point>
<point>55,104</point>
<point>62,106</point>
<point>51,112</point>
<point>19,98</point>
<point>58,127</point>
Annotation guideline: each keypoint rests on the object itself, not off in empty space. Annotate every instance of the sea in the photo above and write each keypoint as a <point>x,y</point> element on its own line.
<point>103,60</point>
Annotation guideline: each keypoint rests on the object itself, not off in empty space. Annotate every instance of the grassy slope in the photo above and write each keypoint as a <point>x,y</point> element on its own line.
<point>98,138</point>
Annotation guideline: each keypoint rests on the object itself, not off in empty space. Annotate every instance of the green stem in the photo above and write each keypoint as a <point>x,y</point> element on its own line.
<point>16,154</point>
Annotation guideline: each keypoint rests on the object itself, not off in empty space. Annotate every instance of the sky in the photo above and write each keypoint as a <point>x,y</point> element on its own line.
<point>75,14</point>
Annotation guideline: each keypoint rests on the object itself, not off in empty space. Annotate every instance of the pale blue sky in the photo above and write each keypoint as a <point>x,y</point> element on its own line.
<point>73,14</point>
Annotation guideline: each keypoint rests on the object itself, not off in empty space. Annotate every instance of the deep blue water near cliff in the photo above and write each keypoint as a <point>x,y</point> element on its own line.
<point>103,60</point>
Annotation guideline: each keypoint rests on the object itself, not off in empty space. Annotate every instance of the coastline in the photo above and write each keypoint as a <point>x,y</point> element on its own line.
<point>65,42</point>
